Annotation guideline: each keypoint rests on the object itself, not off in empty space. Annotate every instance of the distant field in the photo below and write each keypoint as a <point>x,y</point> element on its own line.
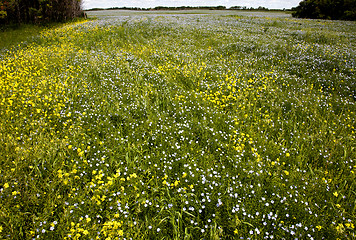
<point>113,13</point>
<point>163,125</point>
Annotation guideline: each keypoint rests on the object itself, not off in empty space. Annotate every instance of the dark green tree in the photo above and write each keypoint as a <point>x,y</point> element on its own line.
<point>38,11</point>
<point>326,9</point>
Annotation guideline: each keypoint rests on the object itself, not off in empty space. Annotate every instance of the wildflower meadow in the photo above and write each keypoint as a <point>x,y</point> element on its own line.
<point>180,126</point>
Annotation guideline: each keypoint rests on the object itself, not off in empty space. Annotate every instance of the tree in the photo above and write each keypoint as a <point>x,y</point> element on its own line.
<point>36,11</point>
<point>326,9</point>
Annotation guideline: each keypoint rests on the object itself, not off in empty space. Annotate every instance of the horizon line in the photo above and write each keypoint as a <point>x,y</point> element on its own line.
<point>160,6</point>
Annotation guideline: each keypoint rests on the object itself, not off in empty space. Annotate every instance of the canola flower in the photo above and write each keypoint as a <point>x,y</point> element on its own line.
<point>167,126</point>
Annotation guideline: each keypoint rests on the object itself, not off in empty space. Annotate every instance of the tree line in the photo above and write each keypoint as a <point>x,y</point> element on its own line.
<point>161,8</point>
<point>39,11</point>
<point>326,9</point>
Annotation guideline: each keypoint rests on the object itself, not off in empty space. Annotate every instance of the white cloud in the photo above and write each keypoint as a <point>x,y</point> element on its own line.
<point>175,3</point>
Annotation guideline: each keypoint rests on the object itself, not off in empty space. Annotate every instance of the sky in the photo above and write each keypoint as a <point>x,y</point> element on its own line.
<point>271,4</point>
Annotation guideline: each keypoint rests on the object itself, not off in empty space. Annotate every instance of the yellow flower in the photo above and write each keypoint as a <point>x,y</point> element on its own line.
<point>319,227</point>
<point>286,172</point>
<point>80,152</point>
<point>6,185</point>
<point>340,228</point>
<point>236,231</point>
<point>336,194</point>
<point>287,154</point>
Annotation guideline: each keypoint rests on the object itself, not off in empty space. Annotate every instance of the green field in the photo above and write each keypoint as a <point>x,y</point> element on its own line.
<point>161,125</point>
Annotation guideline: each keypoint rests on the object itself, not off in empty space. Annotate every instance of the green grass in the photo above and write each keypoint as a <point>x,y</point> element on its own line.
<point>180,127</point>
<point>13,35</point>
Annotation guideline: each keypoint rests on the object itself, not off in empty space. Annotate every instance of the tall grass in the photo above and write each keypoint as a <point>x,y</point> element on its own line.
<point>12,35</point>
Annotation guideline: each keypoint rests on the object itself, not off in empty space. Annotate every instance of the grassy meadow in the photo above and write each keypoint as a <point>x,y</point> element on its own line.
<point>180,126</point>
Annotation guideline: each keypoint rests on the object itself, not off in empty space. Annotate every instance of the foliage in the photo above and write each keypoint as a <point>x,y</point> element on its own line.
<point>180,127</point>
<point>38,11</point>
<point>326,9</point>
